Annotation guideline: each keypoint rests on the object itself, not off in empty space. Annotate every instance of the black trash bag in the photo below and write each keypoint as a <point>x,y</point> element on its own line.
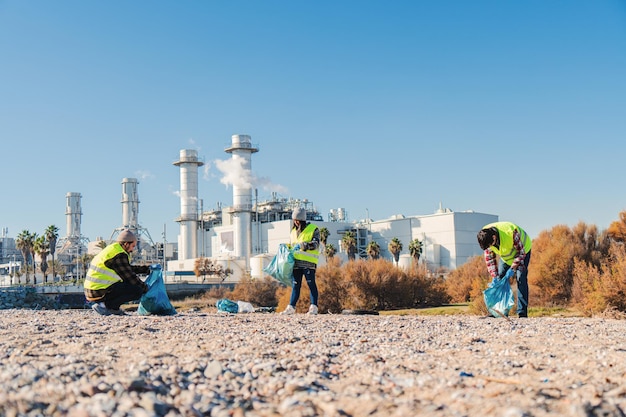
<point>156,300</point>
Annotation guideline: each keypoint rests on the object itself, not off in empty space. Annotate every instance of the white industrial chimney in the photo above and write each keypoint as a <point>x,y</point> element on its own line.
<point>242,148</point>
<point>130,204</point>
<point>188,243</point>
<point>73,215</point>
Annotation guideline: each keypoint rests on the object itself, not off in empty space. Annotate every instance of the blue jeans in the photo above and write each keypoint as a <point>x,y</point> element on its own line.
<point>521,276</point>
<point>309,275</point>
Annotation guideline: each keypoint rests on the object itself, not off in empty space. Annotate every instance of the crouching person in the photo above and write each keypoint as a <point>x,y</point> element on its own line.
<point>111,281</point>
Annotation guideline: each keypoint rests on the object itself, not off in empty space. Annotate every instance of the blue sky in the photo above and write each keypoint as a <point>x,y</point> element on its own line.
<point>513,108</point>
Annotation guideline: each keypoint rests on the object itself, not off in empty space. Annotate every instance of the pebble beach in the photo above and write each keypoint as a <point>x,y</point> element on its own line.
<point>79,364</point>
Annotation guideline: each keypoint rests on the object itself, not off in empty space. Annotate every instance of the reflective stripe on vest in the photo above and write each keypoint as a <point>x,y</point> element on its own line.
<point>505,231</point>
<point>99,276</point>
<point>306,236</point>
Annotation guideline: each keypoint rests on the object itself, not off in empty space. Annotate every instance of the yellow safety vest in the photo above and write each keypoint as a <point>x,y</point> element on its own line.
<point>312,255</point>
<point>506,250</point>
<point>99,276</point>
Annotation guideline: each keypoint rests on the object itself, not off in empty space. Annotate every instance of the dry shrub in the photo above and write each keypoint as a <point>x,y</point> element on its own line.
<point>218,292</point>
<point>332,286</point>
<point>552,265</point>
<point>587,289</point>
<point>596,291</point>
<point>614,278</point>
<point>361,292</point>
<point>461,284</point>
<point>258,292</point>
<point>477,304</point>
<point>419,288</point>
<point>380,285</point>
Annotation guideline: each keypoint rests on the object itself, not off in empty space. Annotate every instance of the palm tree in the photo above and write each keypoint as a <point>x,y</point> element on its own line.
<point>52,234</point>
<point>330,251</point>
<point>324,233</point>
<point>32,257</point>
<point>395,247</point>
<point>415,249</point>
<point>41,248</point>
<point>85,260</point>
<point>348,242</point>
<point>373,250</point>
<point>24,242</point>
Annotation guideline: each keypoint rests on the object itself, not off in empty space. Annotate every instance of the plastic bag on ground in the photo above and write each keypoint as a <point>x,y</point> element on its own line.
<point>245,307</point>
<point>156,300</point>
<point>281,266</point>
<point>227,306</point>
<point>499,297</point>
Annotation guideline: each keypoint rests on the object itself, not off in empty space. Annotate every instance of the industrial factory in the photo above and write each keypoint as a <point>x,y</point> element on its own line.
<point>243,237</point>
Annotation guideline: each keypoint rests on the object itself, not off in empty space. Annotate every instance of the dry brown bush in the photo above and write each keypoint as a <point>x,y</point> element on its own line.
<point>597,289</point>
<point>461,282</point>
<point>418,288</point>
<point>258,292</point>
<point>356,274</point>
<point>332,286</point>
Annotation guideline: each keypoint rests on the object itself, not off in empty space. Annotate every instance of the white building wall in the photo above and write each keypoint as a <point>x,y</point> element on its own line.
<point>449,239</point>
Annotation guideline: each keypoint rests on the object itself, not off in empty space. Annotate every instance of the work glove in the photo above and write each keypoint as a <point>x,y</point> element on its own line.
<point>296,247</point>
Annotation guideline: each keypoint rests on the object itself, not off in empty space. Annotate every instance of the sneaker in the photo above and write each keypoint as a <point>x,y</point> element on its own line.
<point>101,309</point>
<point>289,310</point>
<point>312,309</point>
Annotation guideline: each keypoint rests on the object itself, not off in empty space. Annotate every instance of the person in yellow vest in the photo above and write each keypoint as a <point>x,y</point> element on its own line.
<point>305,243</point>
<point>511,243</point>
<point>111,281</point>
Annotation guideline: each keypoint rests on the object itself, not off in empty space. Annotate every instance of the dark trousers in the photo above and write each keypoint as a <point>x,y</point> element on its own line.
<point>120,293</point>
<point>521,276</point>
<point>309,275</point>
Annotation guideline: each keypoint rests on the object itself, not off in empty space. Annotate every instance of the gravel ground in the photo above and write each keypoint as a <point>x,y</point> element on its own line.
<point>76,363</point>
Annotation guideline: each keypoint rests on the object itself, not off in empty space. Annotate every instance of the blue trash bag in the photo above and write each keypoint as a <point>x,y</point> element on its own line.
<point>499,297</point>
<point>156,300</point>
<point>227,306</point>
<point>281,267</point>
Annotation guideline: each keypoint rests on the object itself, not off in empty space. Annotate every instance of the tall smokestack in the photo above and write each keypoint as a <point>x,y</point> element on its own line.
<point>188,163</point>
<point>130,204</point>
<point>241,148</point>
<point>73,215</point>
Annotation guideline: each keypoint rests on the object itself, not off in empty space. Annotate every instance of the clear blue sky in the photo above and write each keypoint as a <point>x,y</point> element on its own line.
<point>513,108</point>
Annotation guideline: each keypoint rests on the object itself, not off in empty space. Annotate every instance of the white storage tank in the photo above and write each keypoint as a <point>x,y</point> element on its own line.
<point>405,261</point>
<point>258,263</point>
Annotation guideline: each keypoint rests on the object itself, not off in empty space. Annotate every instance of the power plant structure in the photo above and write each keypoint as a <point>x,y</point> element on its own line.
<point>243,238</point>
<point>241,151</point>
<point>145,250</point>
<point>188,220</point>
<point>73,241</point>
<point>239,240</point>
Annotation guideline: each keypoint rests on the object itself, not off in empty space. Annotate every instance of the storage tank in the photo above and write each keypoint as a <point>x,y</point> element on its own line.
<point>405,261</point>
<point>258,263</point>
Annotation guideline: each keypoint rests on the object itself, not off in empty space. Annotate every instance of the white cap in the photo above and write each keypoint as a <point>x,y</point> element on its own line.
<point>299,214</point>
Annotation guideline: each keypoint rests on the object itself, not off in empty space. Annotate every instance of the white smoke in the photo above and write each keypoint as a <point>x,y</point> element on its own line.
<point>237,174</point>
